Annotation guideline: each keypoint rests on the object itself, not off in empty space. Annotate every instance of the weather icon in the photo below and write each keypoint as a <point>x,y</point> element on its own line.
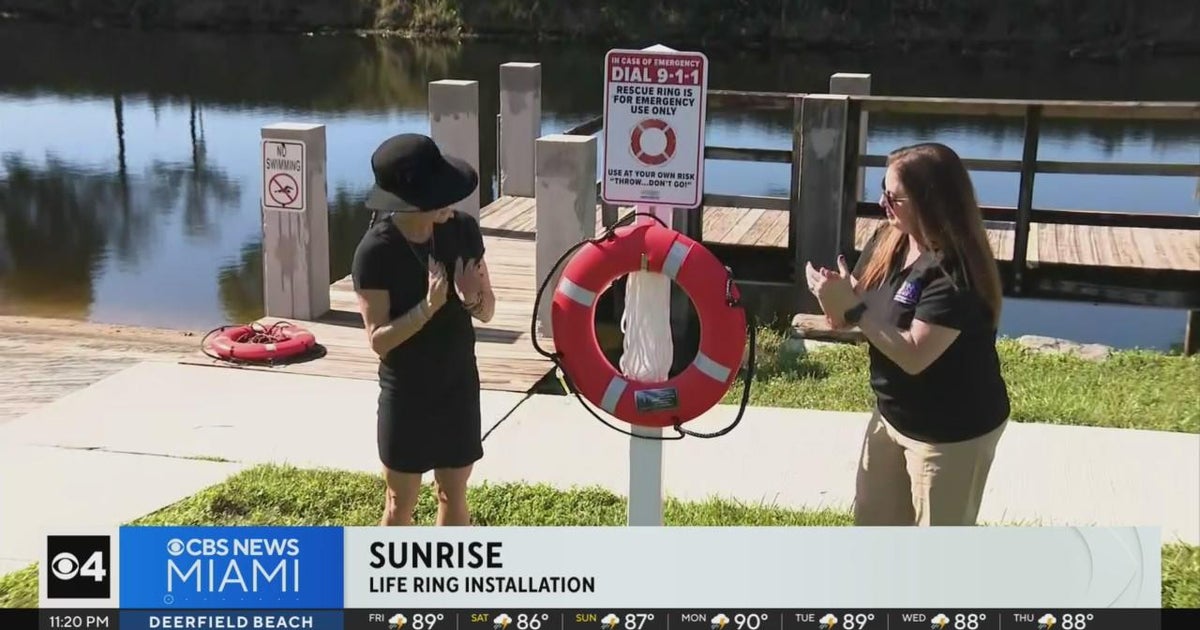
<point>939,622</point>
<point>719,621</point>
<point>1047,622</point>
<point>501,621</point>
<point>610,621</point>
<point>397,621</point>
<point>828,621</point>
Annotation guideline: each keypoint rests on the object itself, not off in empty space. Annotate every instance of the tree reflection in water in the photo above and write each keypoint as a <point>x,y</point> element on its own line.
<point>60,222</point>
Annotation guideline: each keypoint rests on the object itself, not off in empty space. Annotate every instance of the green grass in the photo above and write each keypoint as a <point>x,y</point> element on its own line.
<point>277,495</point>
<point>1131,389</point>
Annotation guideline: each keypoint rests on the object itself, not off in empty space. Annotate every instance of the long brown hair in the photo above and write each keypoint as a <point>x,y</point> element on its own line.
<point>948,220</point>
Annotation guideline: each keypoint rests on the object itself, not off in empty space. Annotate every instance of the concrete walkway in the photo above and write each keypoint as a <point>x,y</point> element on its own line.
<point>129,444</point>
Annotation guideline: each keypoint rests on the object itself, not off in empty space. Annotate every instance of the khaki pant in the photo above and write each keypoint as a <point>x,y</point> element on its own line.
<point>902,481</point>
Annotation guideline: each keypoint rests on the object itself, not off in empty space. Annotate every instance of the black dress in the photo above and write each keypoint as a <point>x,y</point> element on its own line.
<point>429,414</point>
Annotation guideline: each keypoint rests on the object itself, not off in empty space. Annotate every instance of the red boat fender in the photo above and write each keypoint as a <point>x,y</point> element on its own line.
<point>258,343</point>
<point>706,281</point>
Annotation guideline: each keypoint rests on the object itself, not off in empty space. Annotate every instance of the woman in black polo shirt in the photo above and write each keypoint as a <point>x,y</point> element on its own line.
<point>926,294</point>
<point>420,278</point>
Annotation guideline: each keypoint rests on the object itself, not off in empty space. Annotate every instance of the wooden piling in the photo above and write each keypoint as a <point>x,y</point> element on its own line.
<point>295,222</point>
<point>454,126</point>
<point>855,84</point>
<point>520,126</point>
<point>823,215</point>
<point>565,213</point>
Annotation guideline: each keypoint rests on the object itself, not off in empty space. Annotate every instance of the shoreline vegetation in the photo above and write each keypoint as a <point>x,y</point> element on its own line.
<point>1109,30</point>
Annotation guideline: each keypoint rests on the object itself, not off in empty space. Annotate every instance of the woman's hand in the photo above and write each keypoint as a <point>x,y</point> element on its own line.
<point>435,297</point>
<point>834,290</point>
<point>468,281</point>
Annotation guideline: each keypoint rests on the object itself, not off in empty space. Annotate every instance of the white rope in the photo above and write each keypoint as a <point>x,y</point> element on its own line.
<point>646,323</point>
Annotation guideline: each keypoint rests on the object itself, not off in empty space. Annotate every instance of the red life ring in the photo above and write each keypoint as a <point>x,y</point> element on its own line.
<point>697,388</point>
<point>652,159</point>
<point>239,343</point>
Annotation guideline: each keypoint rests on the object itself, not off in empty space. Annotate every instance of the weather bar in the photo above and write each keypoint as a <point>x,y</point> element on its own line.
<point>754,619</point>
<point>607,619</point>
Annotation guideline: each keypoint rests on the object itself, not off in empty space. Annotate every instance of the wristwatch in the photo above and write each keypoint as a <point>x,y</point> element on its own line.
<point>854,314</point>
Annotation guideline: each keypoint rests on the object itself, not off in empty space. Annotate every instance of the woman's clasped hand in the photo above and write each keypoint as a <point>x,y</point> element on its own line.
<point>833,289</point>
<point>435,295</point>
<point>468,281</point>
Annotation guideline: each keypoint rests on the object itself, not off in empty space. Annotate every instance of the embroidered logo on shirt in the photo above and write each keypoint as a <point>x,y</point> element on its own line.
<point>909,292</point>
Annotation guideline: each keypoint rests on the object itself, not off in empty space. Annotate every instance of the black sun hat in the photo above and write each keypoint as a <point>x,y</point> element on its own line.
<point>412,175</point>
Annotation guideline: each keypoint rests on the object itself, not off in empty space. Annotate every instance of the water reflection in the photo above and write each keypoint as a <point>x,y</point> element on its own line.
<point>241,281</point>
<point>55,235</point>
<point>61,221</point>
<point>129,189</point>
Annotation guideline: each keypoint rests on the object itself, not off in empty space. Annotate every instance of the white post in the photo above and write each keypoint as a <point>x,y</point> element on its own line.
<point>654,158</point>
<point>520,126</point>
<point>565,206</point>
<point>295,212</point>
<point>647,292</point>
<point>855,84</point>
<point>454,126</point>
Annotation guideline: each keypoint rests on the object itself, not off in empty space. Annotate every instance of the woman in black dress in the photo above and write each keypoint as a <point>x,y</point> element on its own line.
<point>420,277</point>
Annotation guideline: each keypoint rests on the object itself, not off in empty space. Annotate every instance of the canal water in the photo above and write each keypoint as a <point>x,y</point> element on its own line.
<point>130,176</point>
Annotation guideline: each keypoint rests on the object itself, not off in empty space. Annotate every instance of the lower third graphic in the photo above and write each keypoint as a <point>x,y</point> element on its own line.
<point>231,567</point>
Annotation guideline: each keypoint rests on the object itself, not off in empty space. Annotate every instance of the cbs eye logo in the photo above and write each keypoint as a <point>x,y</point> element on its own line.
<point>78,567</point>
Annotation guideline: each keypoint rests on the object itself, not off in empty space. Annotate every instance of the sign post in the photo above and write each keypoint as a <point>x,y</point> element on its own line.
<point>654,116</point>
<point>295,221</point>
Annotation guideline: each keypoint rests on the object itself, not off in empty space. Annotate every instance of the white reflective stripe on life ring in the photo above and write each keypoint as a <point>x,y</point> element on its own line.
<point>711,368</point>
<point>675,259</point>
<point>576,293</point>
<point>270,347</point>
<point>612,394</point>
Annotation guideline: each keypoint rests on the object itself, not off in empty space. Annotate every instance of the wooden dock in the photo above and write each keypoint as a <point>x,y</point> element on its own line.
<point>507,359</point>
<point>1057,244</point>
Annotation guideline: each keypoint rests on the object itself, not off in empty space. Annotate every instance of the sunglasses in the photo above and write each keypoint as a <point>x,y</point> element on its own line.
<point>889,199</point>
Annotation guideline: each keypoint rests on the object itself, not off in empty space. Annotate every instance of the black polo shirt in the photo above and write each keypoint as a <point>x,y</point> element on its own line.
<point>962,394</point>
<point>385,260</point>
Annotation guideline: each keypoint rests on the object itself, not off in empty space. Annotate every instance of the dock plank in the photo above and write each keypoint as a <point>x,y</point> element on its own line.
<point>745,223</point>
<point>717,224</point>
